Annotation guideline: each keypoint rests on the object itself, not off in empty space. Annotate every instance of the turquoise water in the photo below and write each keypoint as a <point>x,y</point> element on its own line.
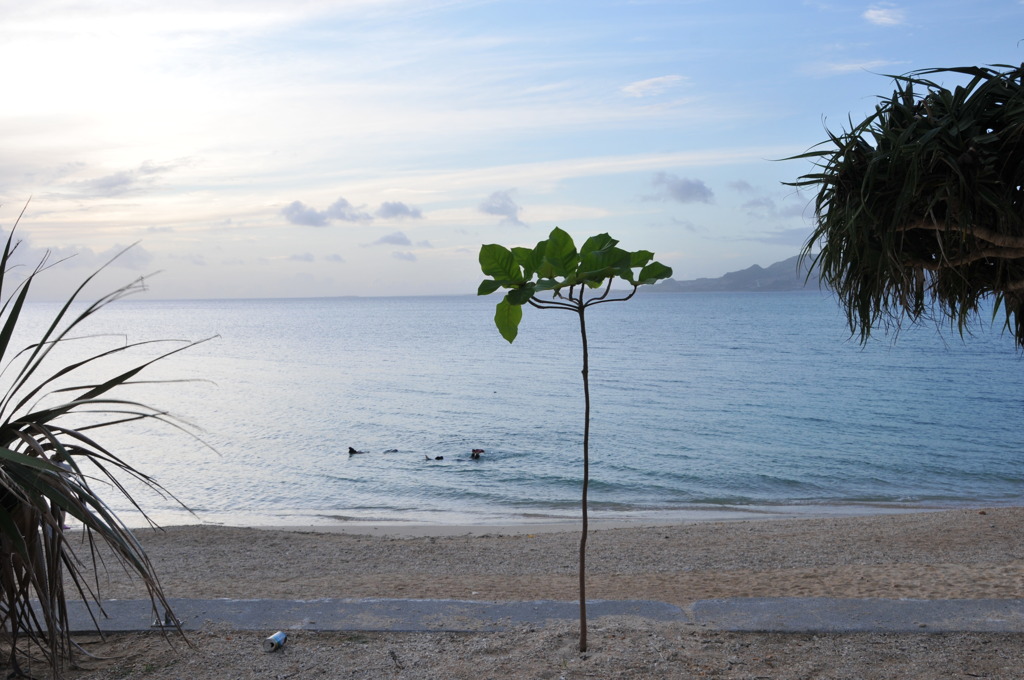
<point>702,402</point>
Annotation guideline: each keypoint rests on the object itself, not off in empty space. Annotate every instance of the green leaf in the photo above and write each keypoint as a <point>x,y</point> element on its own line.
<point>507,317</point>
<point>655,271</point>
<point>488,286</point>
<point>529,259</point>
<point>599,242</point>
<point>604,263</point>
<point>499,262</point>
<point>24,459</point>
<point>560,254</point>
<point>521,295</point>
<point>546,270</point>
<point>640,258</point>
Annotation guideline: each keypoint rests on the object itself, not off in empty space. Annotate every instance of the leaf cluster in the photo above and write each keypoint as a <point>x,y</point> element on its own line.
<point>50,471</point>
<point>920,207</point>
<point>555,265</point>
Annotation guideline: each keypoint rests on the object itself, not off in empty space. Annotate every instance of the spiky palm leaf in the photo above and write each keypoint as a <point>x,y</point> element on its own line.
<point>49,470</point>
<point>920,207</point>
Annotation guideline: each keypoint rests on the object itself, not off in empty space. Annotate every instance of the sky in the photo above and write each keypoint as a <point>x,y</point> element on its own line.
<point>309,148</point>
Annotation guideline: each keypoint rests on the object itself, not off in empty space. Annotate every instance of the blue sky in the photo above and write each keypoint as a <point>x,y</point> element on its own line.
<point>281,148</point>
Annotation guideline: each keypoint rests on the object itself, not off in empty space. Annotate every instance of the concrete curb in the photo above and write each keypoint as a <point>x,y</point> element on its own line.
<point>781,615</point>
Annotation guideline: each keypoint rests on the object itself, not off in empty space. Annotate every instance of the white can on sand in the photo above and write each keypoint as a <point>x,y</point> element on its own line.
<point>275,641</point>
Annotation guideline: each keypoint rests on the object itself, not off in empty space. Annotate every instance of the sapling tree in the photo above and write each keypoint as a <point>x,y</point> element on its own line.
<point>572,281</point>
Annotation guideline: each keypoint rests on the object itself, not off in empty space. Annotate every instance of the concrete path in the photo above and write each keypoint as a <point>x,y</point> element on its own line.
<point>789,615</point>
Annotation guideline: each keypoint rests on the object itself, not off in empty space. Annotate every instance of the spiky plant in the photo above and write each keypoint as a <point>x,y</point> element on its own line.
<point>920,207</point>
<point>50,470</point>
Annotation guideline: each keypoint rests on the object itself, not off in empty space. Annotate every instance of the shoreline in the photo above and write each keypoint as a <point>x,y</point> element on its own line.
<point>455,524</point>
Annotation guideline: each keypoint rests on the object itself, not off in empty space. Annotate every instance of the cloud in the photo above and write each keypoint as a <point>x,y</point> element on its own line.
<point>502,204</point>
<point>833,68</point>
<point>760,205</point>
<point>299,213</point>
<point>197,259</point>
<point>397,210</point>
<point>407,256</point>
<point>135,257</point>
<point>682,189</point>
<point>742,186</point>
<point>652,86</point>
<point>784,237</point>
<point>885,15</point>
<point>796,210</point>
<point>396,238</point>
<point>764,207</point>
<point>122,182</point>
<point>302,257</point>
<point>334,257</point>
<point>296,212</point>
<point>346,212</point>
<point>26,256</point>
<point>685,224</point>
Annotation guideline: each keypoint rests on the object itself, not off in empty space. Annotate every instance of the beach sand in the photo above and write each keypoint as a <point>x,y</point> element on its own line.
<point>934,555</point>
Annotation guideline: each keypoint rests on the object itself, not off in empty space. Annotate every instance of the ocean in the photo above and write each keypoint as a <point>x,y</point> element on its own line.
<point>704,405</point>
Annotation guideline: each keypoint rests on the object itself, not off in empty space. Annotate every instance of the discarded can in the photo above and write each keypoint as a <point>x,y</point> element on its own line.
<point>275,641</point>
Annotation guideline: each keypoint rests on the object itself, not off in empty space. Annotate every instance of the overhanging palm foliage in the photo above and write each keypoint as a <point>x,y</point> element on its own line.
<point>50,470</point>
<point>920,208</point>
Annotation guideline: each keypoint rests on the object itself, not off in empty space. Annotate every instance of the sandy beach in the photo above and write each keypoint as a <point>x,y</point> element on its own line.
<point>974,553</point>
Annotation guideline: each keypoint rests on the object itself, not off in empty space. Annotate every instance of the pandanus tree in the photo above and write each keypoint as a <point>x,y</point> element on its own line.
<point>555,275</point>
<point>920,207</point>
<point>53,469</point>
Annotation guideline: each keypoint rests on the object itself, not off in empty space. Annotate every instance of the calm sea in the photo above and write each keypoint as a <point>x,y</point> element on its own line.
<point>709,403</point>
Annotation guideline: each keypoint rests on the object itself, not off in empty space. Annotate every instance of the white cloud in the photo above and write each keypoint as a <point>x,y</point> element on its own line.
<point>393,239</point>
<point>760,206</point>
<point>651,86</point>
<point>682,189</point>
<point>502,204</point>
<point>299,213</point>
<point>397,210</point>
<point>346,212</point>
<point>795,237</point>
<point>838,68</point>
<point>885,15</point>
<point>121,182</point>
<point>27,255</point>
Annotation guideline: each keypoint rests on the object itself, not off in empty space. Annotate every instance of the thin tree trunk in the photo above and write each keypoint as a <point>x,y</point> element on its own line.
<point>586,484</point>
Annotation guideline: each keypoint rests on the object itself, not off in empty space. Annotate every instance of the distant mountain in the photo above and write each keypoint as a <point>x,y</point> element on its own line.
<point>780,276</point>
